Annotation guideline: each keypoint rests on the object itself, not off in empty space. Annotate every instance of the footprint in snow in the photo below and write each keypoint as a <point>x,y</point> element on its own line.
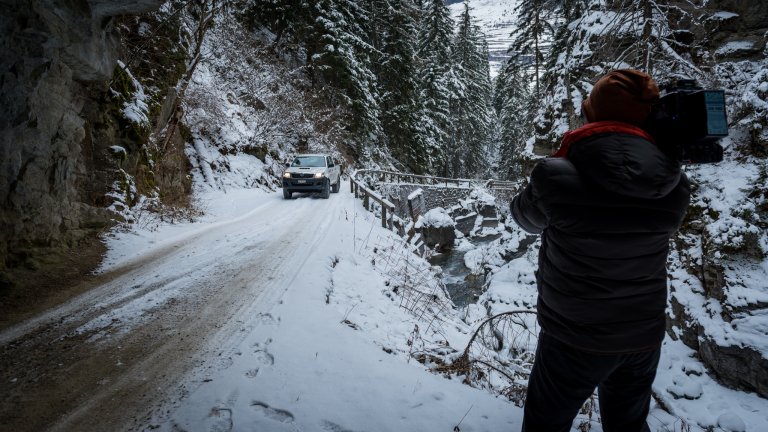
<point>219,420</point>
<point>275,414</point>
<point>256,246</point>
<point>267,318</point>
<point>225,363</point>
<point>264,358</point>
<point>333,427</point>
<point>684,387</point>
<point>438,396</point>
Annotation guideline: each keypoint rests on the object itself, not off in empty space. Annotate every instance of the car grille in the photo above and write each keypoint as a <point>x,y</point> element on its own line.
<point>302,175</point>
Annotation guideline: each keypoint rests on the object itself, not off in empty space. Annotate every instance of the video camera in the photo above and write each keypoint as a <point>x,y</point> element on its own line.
<point>689,121</point>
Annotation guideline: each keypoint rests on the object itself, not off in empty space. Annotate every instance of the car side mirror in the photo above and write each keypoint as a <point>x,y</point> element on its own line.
<point>287,165</point>
<point>330,165</point>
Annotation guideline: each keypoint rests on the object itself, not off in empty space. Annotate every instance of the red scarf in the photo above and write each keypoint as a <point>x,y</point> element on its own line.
<point>595,128</point>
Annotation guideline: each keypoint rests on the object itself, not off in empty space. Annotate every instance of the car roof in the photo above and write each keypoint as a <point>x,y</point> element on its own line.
<point>311,154</point>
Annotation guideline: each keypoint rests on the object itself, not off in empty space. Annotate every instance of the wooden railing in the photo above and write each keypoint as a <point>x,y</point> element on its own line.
<point>396,177</point>
<point>501,184</point>
<point>361,191</point>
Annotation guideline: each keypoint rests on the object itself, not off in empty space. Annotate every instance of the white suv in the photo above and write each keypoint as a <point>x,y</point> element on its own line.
<point>311,173</point>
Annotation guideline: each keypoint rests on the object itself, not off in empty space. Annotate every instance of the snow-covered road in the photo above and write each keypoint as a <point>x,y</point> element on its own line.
<point>262,318</point>
<point>274,315</point>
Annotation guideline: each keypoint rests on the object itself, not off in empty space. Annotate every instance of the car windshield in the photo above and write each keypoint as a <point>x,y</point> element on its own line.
<point>309,161</point>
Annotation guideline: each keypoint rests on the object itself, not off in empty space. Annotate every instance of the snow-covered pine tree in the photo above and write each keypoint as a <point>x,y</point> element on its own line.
<point>400,104</point>
<point>436,92</point>
<point>289,20</point>
<point>565,79</point>
<point>482,101</point>
<point>344,60</point>
<point>513,105</point>
<point>532,36</point>
<point>471,109</point>
<point>331,35</point>
<point>376,10</point>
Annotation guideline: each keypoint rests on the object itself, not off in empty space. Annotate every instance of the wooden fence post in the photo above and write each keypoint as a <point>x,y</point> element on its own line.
<point>383,216</point>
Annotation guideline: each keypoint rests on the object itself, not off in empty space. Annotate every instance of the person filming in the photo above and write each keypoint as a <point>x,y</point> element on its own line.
<point>606,205</point>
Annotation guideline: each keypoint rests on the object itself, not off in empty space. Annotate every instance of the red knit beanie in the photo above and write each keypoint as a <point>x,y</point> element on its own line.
<point>623,95</point>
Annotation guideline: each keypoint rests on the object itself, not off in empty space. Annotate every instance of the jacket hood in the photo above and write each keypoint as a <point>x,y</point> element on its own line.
<point>626,164</point>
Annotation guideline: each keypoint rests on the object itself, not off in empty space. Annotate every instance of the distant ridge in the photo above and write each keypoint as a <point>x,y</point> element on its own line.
<point>497,20</point>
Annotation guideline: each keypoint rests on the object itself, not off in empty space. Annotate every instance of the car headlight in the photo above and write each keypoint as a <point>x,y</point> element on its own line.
<point>286,175</point>
<point>319,175</point>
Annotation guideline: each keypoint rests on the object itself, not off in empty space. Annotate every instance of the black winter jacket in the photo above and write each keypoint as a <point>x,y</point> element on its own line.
<point>606,215</point>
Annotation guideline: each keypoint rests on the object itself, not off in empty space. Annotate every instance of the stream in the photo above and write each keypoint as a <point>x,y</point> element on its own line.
<point>463,286</point>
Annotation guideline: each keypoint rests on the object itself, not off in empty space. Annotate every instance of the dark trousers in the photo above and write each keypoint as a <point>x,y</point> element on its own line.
<point>563,378</point>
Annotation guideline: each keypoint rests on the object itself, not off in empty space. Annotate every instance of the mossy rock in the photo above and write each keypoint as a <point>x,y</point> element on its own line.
<point>259,152</point>
<point>118,153</point>
<point>185,132</point>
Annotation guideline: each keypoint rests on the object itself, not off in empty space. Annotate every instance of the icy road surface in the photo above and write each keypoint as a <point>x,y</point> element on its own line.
<point>237,324</point>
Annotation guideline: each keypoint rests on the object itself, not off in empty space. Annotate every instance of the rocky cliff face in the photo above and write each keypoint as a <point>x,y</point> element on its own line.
<point>741,21</point>
<point>57,59</point>
<point>737,40</point>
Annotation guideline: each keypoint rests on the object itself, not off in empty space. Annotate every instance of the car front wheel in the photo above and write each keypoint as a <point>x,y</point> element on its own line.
<point>326,189</point>
<point>287,194</point>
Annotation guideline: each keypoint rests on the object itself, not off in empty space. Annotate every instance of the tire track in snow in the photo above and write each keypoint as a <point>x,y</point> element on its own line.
<point>62,379</point>
<point>247,341</point>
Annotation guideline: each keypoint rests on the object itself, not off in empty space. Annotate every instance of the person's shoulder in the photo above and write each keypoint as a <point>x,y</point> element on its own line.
<point>553,175</point>
<point>552,167</point>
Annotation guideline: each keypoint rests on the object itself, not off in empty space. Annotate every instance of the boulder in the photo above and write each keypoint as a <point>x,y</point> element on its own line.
<point>738,367</point>
<point>437,228</point>
<point>440,238</point>
<point>466,223</point>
